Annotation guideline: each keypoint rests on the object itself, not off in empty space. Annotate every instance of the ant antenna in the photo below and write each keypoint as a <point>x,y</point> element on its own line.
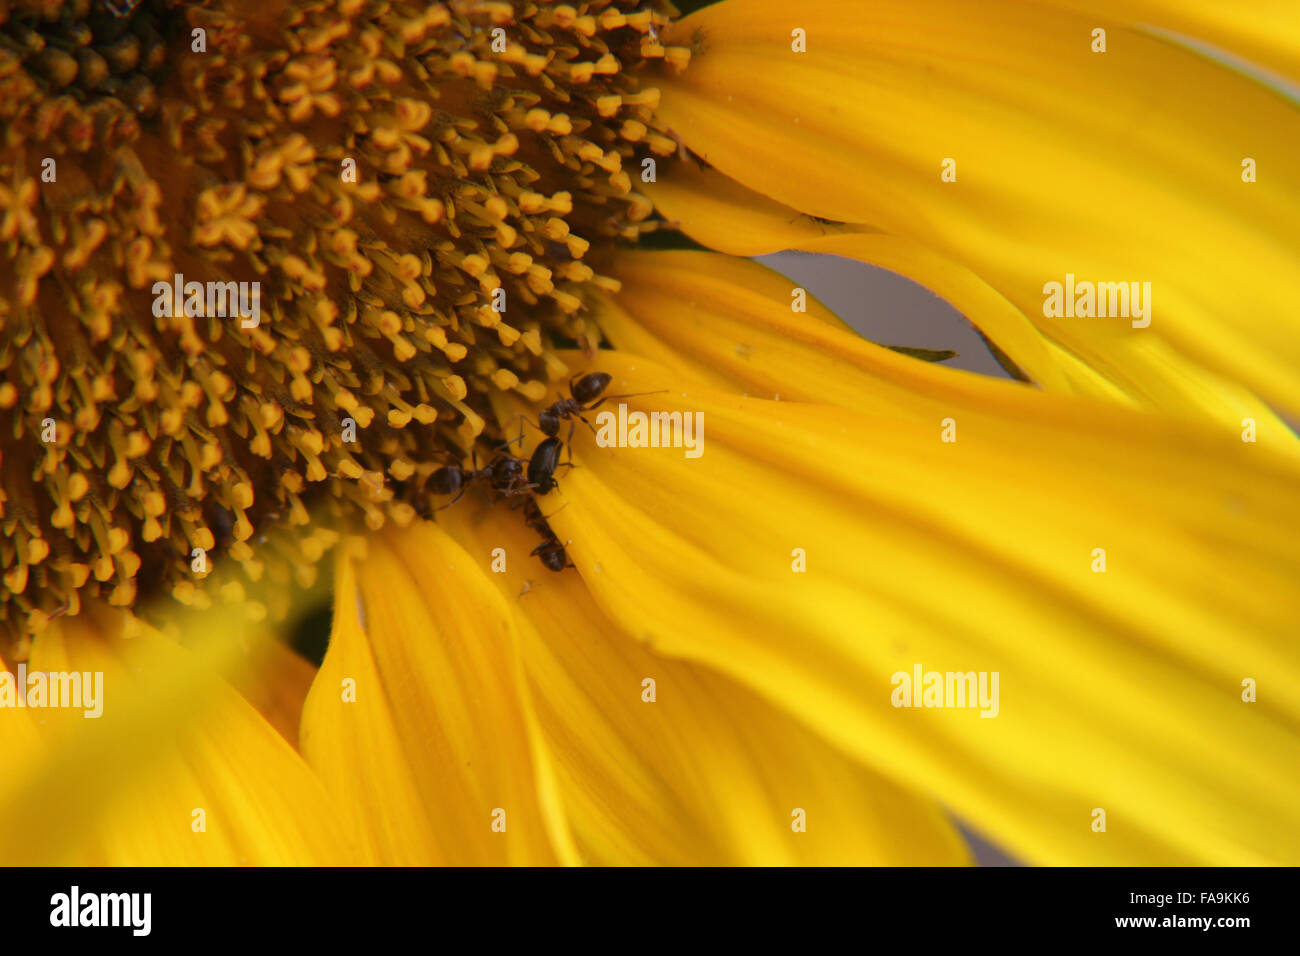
<point>605,398</point>
<point>548,517</point>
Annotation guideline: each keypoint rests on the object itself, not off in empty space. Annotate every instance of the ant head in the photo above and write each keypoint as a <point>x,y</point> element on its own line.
<point>588,388</point>
<point>548,422</point>
<point>506,470</point>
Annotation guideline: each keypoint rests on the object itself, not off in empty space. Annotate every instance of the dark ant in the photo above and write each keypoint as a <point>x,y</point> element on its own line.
<point>582,394</point>
<point>586,389</point>
<point>504,475</point>
<point>550,552</point>
<point>552,555</point>
<point>541,467</point>
<point>534,518</point>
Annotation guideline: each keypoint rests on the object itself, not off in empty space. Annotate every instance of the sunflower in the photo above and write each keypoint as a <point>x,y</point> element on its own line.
<point>342,284</point>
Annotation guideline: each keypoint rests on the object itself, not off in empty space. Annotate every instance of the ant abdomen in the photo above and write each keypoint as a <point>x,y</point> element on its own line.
<point>589,387</point>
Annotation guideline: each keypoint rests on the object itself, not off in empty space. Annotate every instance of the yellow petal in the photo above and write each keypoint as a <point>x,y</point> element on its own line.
<point>728,322</point>
<point>719,212</point>
<point>418,721</point>
<point>1266,35</point>
<point>1118,690</point>
<point>353,745</point>
<point>278,686</point>
<point>19,742</point>
<point>1115,167</point>
<point>723,316</point>
<point>177,769</point>
<point>1142,370</point>
<point>706,772</point>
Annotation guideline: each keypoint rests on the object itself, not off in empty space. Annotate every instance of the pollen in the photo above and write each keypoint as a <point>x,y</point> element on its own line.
<point>420,197</point>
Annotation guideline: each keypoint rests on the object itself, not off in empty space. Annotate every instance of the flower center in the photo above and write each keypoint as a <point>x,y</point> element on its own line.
<point>263,256</point>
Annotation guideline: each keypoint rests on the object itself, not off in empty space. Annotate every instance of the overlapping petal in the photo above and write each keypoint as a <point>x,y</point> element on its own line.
<point>723,215</point>
<point>1139,370</point>
<point>1118,166</point>
<point>418,721</point>
<point>1263,34</point>
<point>1119,690</point>
<point>177,769</point>
<point>665,762</point>
<point>728,321</point>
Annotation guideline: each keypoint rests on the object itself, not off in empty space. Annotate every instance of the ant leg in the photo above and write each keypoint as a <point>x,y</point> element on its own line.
<point>463,488</point>
<point>568,446</point>
<point>555,512</point>
<point>522,417</point>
